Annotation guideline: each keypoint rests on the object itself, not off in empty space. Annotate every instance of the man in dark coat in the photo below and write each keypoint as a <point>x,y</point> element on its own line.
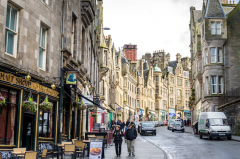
<point>130,136</point>
<point>118,140</point>
<point>127,123</point>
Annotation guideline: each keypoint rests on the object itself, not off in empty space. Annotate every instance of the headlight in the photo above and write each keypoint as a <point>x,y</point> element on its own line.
<point>213,131</point>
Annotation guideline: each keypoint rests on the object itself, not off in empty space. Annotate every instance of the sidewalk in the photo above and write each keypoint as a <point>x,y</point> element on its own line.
<point>190,130</point>
<point>143,150</point>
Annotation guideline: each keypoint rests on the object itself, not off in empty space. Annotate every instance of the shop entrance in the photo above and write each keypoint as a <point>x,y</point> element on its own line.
<point>27,131</point>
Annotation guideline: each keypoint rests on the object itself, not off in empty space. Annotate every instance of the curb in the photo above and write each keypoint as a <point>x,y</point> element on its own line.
<point>165,154</point>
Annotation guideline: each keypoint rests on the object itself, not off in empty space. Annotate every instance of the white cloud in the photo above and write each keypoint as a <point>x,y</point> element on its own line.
<point>151,24</point>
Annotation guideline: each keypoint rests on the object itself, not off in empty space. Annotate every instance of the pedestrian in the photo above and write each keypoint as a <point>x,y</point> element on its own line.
<point>121,125</point>
<point>124,124</point>
<point>113,125</point>
<point>127,123</point>
<point>130,136</point>
<point>187,122</point>
<point>118,140</point>
<point>184,122</point>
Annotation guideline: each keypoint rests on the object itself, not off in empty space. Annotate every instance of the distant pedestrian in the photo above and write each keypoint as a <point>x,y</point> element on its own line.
<point>130,136</point>
<point>121,126</point>
<point>127,123</point>
<point>118,140</point>
<point>124,124</point>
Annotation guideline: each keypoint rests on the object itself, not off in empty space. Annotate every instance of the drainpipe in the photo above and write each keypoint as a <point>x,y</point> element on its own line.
<point>61,74</point>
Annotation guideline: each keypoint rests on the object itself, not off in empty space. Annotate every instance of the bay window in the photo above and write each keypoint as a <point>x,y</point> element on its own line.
<point>219,55</point>
<point>207,85</point>
<point>213,55</point>
<point>216,28</point>
<point>220,85</point>
<point>11,31</point>
<point>214,84</point>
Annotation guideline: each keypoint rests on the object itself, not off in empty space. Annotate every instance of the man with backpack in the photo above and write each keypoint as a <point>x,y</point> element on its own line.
<point>130,136</point>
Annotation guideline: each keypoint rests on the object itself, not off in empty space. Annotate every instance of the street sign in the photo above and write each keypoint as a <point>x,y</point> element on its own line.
<point>96,146</point>
<point>71,79</point>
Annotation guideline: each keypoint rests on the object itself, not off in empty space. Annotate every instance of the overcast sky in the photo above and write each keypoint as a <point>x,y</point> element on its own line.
<point>151,24</point>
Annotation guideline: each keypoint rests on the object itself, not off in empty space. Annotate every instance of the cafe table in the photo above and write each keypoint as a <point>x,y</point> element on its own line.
<point>18,154</point>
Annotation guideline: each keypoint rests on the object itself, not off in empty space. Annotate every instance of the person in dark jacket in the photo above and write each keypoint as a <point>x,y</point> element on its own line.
<point>117,134</point>
<point>130,136</point>
<point>127,123</point>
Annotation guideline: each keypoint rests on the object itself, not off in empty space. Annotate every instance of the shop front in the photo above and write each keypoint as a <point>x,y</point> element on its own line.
<point>162,115</point>
<point>187,114</point>
<point>24,119</point>
<point>172,114</point>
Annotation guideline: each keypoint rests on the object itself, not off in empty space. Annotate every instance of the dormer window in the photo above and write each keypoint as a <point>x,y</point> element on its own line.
<point>216,28</point>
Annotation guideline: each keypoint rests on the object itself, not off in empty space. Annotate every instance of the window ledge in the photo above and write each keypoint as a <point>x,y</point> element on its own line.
<point>10,55</point>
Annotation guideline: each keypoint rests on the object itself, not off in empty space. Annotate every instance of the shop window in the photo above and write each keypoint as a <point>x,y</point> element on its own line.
<point>8,117</point>
<point>46,123</point>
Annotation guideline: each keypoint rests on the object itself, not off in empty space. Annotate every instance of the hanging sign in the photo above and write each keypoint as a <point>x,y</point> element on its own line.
<point>96,146</point>
<point>87,102</point>
<point>71,79</point>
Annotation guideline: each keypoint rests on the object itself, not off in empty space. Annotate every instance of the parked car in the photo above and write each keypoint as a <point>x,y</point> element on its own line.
<point>156,123</point>
<point>195,127</point>
<point>147,128</point>
<point>161,123</point>
<point>178,126</point>
<point>170,123</point>
<point>214,125</point>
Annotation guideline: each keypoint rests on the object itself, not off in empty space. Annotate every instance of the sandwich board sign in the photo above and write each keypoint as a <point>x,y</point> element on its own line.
<point>96,148</point>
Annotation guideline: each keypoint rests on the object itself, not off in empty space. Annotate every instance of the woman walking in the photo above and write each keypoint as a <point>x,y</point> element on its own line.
<point>118,140</point>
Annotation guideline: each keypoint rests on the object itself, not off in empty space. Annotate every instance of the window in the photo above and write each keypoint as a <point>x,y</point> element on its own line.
<point>125,81</point>
<point>164,104</point>
<point>156,78</point>
<point>220,85</point>
<point>42,49</point>
<point>206,59</point>
<point>164,92</point>
<point>138,91</point>
<point>186,104</point>
<point>186,73</point>
<point>216,28</point>
<point>186,83</point>
<point>138,104</point>
<point>157,90</point>
<point>213,55</point>
<point>179,81</point>
<point>73,34</point>
<point>214,84</point>
<point>8,117</point>
<point>171,101</point>
<point>171,90</point>
<point>179,92</point>
<point>125,96</point>
<point>46,123</point>
<point>11,31</point>
<point>219,55</point>
<point>207,86</point>
<point>45,1</point>
<point>179,103</point>
<point>172,80</point>
<point>186,93</point>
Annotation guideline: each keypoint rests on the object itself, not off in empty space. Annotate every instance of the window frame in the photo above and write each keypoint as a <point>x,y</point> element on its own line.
<point>14,49</point>
<point>207,85</point>
<point>213,55</point>
<point>219,58</point>
<point>220,84</point>
<point>206,57</point>
<point>215,28</point>
<point>44,56</point>
<point>216,84</point>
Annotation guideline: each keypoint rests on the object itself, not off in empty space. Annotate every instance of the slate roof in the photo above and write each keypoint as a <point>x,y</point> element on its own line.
<point>214,9</point>
<point>124,60</point>
<point>227,10</point>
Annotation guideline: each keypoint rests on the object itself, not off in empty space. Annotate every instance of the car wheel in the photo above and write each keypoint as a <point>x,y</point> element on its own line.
<point>200,135</point>
<point>168,128</point>
<point>229,138</point>
<point>209,137</point>
<point>172,130</point>
<point>183,131</point>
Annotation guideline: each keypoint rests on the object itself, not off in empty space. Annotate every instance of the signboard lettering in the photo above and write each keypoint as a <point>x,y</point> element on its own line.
<point>28,84</point>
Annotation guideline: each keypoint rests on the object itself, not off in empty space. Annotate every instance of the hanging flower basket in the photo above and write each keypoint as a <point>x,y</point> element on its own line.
<point>94,114</point>
<point>83,106</point>
<point>91,109</point>
<point>2,101</point>
<point>77,103</point>
<point>29,105</point>
<point>46,105</point>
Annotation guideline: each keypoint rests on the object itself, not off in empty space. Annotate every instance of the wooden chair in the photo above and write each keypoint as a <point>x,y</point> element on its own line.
<point>99,137</point>
<point>19,150</point>
<point>69,150</point>
<point>30,155</point>
<point>44,154</point>
<point>73,141</point>
<point>80,148</point>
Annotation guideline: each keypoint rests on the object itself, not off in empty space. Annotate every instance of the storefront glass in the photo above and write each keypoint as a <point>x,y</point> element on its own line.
<point>162,115</point>
<point>8,117</point>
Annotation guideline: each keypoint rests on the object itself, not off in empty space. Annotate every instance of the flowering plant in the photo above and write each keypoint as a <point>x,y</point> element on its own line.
<point>83,106</point>
<point>77,103</point>
<point>94,114</point>
<point>46,105</point>
<point>2,100</point>
<point>91,109</point>
<point>29,105</point>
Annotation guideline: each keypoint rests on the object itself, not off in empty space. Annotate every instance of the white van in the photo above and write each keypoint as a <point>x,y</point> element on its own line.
<point>214,125</point>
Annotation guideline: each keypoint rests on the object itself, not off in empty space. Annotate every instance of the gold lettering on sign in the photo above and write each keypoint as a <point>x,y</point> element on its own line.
<point>28,84</point>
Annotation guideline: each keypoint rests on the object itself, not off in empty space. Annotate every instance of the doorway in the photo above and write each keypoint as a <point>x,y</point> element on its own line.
<point>27,132</point>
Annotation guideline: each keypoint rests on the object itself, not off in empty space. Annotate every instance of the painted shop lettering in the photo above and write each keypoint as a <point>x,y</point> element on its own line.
<point>23,82</point>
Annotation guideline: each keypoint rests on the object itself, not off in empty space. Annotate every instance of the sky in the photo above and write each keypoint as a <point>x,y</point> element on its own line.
<point>150,24</point>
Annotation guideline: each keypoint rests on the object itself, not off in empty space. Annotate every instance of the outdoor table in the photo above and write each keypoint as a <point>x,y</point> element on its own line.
<point>19,153</point>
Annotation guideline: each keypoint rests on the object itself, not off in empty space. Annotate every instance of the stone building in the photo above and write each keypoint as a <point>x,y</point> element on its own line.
<point>172,85</point>
<point>130,51</point>
<point>34,35</point>
<point>214,51</point>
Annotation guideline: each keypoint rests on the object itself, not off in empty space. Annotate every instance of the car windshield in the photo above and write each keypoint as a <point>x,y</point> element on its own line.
<point>147,125</point>
<point>218,122</point>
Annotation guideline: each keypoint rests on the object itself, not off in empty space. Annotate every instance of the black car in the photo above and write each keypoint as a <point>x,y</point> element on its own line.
<point>147,128</point>
<point>178,126</point>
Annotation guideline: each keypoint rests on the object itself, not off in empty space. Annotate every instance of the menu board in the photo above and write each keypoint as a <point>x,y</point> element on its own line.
<point>96,146</point>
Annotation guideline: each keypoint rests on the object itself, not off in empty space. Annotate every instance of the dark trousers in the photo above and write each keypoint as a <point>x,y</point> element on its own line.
<point>118,147</point>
